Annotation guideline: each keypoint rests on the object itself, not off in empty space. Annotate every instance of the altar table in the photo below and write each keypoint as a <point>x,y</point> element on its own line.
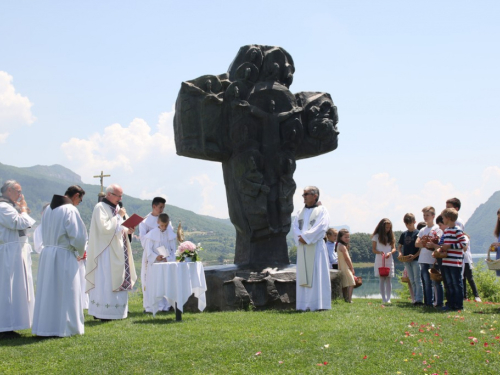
<point>177,281</point>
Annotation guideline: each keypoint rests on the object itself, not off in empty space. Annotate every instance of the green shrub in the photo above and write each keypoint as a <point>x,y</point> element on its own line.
<point>404,291</point>
<point>488,284</point>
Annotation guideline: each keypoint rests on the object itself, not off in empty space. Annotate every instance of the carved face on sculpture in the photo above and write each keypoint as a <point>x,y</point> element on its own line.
<point>236,92</point>
<point>276,71</point>
<point>320,119</point>
<point>272,106</point>
<point>208,85</point>
<point>253,55</point>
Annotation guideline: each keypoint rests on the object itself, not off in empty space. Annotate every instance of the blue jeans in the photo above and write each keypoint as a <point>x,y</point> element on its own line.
<point>454,283</point>
<point>428,285</point>
<point>413,271</point>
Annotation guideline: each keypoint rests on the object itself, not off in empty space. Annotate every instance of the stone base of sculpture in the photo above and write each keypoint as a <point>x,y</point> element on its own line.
<point>232,287</point>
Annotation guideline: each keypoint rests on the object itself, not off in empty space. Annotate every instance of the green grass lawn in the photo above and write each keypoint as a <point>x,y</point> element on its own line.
<point>360,338</point>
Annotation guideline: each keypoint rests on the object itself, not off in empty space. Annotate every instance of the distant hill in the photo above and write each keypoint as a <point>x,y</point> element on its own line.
<point>56,171</point>
<point>40,183</point>
<point>481,224</point>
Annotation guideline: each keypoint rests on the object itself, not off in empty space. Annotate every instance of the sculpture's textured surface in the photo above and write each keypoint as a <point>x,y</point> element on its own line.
<point>249,120</point>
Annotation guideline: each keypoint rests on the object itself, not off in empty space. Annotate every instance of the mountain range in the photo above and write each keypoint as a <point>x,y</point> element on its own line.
<point>481,224</point>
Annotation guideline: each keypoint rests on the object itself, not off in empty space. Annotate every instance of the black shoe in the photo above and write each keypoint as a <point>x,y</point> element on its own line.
<point>418,304</point>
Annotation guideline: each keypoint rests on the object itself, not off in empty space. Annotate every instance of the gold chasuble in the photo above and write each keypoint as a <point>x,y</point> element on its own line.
<point>305,253</point>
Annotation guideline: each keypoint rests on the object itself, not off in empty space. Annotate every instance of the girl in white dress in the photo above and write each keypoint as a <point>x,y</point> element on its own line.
<point>383,245</point>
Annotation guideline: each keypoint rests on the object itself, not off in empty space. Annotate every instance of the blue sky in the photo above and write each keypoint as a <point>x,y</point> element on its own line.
<point>91,85</point>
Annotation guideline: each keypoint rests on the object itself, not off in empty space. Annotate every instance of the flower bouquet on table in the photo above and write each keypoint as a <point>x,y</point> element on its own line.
<point>187,252</point>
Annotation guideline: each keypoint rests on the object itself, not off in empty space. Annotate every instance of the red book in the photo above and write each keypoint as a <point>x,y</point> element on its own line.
<point>133,221</point>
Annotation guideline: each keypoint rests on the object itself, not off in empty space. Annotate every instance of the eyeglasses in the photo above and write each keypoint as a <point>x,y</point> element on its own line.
<point>307,194</point>
<point>116,195</point>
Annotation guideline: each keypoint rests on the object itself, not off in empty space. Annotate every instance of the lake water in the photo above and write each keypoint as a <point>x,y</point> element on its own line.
<point>370,287</point>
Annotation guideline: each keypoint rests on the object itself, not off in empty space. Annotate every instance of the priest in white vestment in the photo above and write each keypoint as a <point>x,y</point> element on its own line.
<point>162,236</point>
<point>16,282</point>
<point>110,265</point>
<point>58,307</point>
<point>150,222</point>
<point>313,275</point>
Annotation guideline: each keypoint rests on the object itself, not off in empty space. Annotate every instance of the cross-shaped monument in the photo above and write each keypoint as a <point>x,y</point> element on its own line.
<point>101,176</point>
<point>248,120</point>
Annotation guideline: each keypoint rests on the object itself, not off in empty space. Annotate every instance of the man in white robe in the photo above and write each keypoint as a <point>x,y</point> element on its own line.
<point>313,275</point>
<point>110,265</point>
<point>75,193</point>
<point>150,222</point>
<point>161,236</point>
<point>16,282</point>
<point>58,307</point>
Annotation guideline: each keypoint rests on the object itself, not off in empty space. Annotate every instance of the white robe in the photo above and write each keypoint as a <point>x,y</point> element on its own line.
<point>106,265</point>
<point>58,307</point>
<point>17,297</point>
<point>37,240</point>
<point>85,295</point>
<point>154,239</point>
<point>319,295</point>
<point>149,223</point>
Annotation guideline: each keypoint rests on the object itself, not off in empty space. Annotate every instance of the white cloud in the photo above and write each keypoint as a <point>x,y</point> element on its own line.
<point>122,148</point>
<point>159,192</point>
<point>207,193</point>
<point>15,109</point>
<point>383,198</point>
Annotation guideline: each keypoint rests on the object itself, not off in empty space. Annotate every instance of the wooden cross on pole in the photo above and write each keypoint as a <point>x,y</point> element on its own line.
<point>101,176</point>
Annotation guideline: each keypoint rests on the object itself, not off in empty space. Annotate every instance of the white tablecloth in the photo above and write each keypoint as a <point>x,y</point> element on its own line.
<point>176,281</point>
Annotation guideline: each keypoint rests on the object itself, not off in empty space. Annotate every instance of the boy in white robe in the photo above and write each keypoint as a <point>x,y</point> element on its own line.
<point>162,235</point>
<point>313,274</point>
<point>150,222</point>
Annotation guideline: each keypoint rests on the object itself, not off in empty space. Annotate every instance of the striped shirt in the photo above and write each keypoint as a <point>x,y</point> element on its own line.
<point>456,239</point>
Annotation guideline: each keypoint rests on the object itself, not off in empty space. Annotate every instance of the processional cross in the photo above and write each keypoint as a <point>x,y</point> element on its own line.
<point>248,120</point>
<point>101,176</point>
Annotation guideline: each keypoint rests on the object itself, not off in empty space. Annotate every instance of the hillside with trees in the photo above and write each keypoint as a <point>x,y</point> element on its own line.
<point>481,224</point>
<point>40,183</point>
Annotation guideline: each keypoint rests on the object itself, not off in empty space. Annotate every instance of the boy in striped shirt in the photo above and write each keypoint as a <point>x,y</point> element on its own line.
<point>454,243</point>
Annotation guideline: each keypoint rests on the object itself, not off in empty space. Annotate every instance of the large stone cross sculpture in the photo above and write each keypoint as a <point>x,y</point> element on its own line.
<point>248,120</point>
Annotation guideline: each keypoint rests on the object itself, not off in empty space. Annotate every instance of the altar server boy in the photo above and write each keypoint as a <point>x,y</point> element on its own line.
<point>162,236</point>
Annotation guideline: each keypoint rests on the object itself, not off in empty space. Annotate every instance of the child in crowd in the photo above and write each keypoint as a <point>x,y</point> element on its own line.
<point>467,272</point>
<point>425,259</point>
<point>496,233</point>
<point>164,236</point>
<point>345,264</point>
<point>383,245</point>
<point>421,225</point>
<point>439,261</point>
<point>331,239</point>
<point>406,247</point>
<point>454,243</point>
<point>456,204</point>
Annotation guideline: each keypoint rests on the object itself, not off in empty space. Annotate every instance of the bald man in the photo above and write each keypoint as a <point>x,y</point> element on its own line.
<point>110,265</point>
